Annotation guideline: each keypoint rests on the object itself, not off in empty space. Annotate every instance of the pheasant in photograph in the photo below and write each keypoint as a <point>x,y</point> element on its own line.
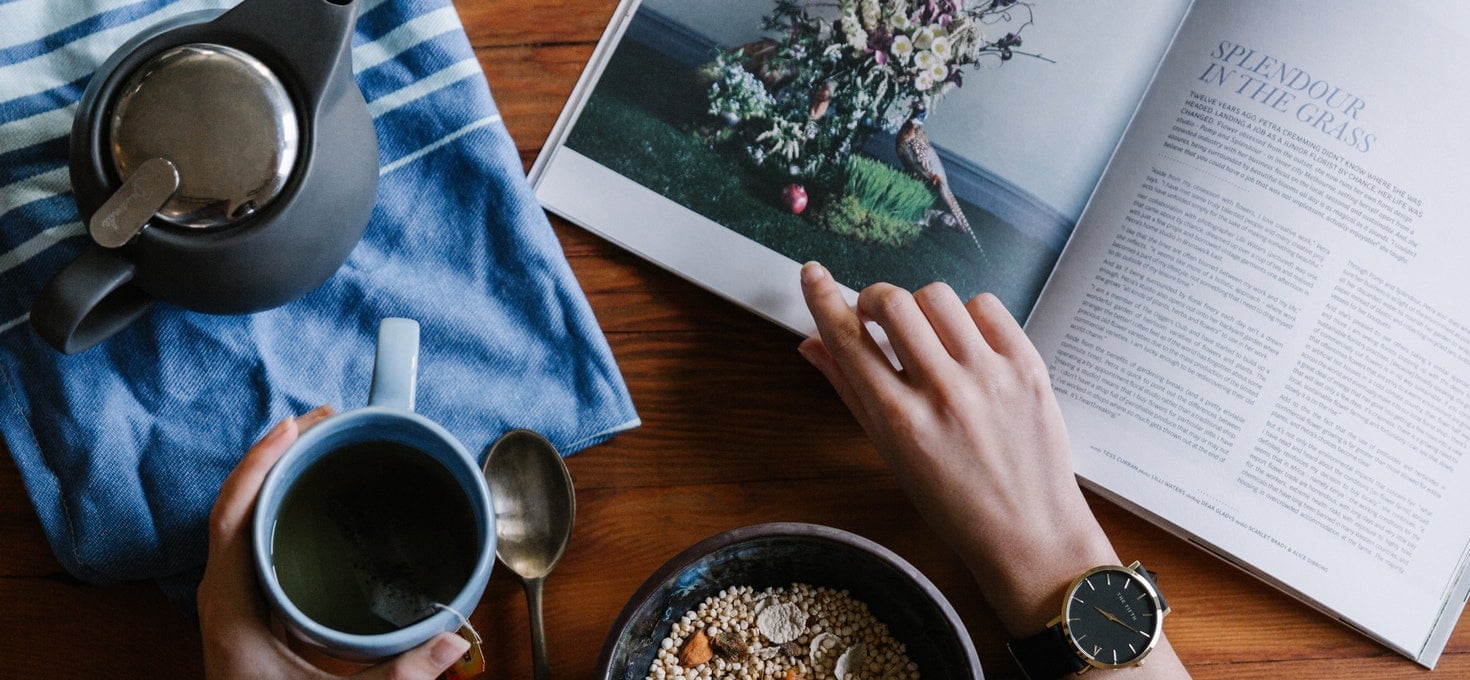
<point>919,158</point>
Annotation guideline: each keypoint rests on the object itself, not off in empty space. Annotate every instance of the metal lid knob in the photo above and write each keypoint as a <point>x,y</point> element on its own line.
<point>221,118</point>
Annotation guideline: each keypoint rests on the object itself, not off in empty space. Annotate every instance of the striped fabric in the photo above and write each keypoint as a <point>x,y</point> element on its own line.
<point>123,447</point>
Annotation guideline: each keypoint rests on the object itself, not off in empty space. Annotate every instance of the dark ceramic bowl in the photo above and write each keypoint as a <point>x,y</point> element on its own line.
<point>777,555</point>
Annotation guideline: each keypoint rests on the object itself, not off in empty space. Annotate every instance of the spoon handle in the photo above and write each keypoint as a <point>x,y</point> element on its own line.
<point>538,631</point>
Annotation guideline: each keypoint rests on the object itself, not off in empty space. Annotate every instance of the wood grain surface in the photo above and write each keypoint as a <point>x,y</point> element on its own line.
<point>737,429</point>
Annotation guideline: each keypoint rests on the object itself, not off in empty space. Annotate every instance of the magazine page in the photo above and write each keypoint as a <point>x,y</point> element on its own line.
<point>891,140</point>
<point>1260,333</point>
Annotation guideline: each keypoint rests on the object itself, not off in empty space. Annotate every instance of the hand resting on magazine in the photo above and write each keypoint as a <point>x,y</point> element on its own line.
<point>974,435</point>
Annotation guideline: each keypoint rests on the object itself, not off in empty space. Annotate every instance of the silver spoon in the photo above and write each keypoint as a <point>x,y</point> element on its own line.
<point>534,507</point>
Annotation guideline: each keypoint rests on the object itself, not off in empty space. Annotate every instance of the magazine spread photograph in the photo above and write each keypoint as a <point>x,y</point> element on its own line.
<point>728,138</point>
<point>1227,226</point>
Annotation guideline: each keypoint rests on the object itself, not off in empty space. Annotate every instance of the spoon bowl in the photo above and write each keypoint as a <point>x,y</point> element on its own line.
<point>534,510</point>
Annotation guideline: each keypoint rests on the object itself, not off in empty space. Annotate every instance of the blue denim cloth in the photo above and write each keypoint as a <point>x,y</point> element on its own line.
<point>122,448</point>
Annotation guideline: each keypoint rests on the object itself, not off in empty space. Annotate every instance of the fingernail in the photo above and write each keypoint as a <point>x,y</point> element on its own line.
<point>315,416</point>
<point>276,432</point>
<point>812,272</point>
<point>447,649</point>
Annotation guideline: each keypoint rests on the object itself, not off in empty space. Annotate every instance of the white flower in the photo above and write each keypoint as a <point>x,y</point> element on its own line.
<point>925,59</point>
<point>924,38</point>
<point>923,81</point>
<point>853,31</point>
<point>902,48</point>
<point>965,41</point>
<point>899,22</point>
<point>872,14</point>
<point>939,72</point>
<point>960,26</point>
<point>941,49</point>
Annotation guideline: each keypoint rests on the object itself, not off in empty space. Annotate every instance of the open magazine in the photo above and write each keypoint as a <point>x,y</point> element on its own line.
<point>1231,228</point>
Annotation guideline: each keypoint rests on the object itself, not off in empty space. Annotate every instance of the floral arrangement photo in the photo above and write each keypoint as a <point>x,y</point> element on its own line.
<point>799,104</point>
<point>800,125</point>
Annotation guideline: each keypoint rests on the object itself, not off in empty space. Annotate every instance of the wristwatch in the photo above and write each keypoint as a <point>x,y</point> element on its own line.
<point>1111,618</point>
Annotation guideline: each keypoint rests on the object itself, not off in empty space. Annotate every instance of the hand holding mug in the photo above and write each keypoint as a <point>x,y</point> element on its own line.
<point>234,618</point>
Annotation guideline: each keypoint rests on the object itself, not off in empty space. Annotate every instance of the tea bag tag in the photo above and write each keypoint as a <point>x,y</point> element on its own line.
<point>472,662</point>
<point>142,194</point>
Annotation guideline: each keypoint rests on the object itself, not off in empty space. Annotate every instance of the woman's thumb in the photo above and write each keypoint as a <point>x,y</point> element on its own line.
<point>424,662</point>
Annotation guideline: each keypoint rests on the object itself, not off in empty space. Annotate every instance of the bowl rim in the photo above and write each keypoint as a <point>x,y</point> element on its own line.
<point>689,555</point>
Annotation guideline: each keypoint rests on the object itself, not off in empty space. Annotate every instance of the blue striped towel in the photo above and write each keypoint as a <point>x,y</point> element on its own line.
<point>122,448</point>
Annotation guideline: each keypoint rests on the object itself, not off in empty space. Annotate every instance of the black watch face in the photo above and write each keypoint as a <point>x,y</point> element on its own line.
<point>1112,616</point>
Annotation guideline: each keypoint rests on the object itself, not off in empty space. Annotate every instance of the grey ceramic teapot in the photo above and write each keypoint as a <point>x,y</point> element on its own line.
<point>222,162</point>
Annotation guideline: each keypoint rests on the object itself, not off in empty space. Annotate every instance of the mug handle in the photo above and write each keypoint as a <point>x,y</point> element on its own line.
<point>89,300</point>
<point>396,367</point>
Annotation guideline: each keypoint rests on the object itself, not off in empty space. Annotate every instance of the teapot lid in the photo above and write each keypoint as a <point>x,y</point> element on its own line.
<point>221,117</point>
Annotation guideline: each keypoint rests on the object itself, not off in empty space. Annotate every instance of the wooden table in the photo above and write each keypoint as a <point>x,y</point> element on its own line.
<point>737,429</point>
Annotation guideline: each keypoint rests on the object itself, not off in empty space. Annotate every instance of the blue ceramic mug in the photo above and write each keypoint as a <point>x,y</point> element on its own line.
<point>349,541</point>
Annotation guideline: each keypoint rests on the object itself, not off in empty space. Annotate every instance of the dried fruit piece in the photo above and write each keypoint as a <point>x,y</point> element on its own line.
<point>850,661</point>
<point>730,647</point>
<point>696,651</point>
<point>792,650</point>
<point>781,622</point>
<point>791,674</point>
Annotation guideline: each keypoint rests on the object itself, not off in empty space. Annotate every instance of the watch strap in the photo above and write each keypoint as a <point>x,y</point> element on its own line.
<point>1153,580</point>
<point>1047,655</point>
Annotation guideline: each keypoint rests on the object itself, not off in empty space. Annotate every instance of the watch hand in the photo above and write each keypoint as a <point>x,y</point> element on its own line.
<point>1109,616</point>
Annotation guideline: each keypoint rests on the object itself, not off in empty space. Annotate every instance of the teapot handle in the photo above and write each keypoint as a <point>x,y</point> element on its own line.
<point>88,301</point>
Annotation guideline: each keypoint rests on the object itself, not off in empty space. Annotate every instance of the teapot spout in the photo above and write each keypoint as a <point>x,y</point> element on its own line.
<point>309,39</point>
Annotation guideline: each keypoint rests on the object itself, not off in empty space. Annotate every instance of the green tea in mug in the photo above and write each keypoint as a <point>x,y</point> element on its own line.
<point>372,537</point>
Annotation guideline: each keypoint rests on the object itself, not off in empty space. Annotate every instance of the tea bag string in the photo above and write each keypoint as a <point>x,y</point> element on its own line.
<point>464,621</point>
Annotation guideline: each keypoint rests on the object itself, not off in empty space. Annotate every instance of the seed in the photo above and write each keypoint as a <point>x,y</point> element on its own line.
<point>830,634</point>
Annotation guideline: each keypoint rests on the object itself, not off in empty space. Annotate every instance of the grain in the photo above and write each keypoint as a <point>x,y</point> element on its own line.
<point>799,631</point>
